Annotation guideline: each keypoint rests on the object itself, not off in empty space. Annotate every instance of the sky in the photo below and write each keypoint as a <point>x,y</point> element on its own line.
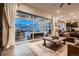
<point>23,21</point>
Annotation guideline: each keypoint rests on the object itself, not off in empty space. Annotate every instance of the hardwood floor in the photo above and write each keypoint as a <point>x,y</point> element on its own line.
<point>34,48</point>
<point>41,50</point>
<point>20,49</point>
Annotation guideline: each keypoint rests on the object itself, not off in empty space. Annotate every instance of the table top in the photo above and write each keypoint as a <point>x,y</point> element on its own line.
<point>54,40</point>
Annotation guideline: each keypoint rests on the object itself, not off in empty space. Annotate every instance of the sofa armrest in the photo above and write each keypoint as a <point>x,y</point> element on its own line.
<point>73,50</point>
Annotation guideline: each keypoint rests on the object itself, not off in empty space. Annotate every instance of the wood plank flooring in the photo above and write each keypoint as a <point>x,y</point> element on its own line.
<point>41,50</point>
<point>34,48</point>
<point>20,49</point>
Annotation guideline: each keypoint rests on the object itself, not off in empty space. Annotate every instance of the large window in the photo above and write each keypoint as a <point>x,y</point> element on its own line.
<point>23,28</point>
<point>30,26</point>
<point>48,27</point>
<point>38,27</point>
<point>38,24</point>
<point>61,25</point>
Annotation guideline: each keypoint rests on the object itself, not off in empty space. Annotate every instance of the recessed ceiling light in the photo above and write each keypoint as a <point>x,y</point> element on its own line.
<point>74,17</point>
<point>61,16</point>
<point>58,11</point>
<point>71,13</point>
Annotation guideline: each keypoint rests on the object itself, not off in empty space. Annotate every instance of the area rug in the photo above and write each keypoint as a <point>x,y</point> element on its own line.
<point>42,50</point>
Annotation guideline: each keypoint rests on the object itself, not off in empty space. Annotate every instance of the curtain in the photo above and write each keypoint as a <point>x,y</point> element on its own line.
<point>10,10</point>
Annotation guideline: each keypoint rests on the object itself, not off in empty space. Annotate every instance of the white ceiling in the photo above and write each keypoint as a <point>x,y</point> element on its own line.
<point>52,8</point>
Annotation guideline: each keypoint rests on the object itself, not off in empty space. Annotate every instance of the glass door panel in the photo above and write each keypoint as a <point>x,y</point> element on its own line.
<point>38,27</point>
<point>23,29</point>
<point>24,26</point>
<point>48,27</point>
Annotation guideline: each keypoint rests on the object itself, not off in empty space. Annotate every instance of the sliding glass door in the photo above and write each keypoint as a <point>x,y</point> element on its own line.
<point>48,27</point>
<point>30,26</point>
<point>24,27</point>
<point>38,27</point>
<point>61,26</point>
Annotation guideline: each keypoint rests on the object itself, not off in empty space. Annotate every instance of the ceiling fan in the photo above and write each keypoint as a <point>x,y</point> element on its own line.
<point>63,4</point>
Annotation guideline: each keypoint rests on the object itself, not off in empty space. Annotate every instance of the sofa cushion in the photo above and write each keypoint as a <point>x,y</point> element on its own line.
<point>72,40</point>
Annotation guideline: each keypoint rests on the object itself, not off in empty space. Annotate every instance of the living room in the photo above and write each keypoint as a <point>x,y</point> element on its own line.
<point>51,29</point>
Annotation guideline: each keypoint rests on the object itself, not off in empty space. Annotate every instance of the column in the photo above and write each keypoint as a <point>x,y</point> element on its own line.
<point>33,27</point>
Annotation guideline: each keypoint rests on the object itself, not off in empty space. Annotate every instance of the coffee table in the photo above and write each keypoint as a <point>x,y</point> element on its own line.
<point>55,41</point>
